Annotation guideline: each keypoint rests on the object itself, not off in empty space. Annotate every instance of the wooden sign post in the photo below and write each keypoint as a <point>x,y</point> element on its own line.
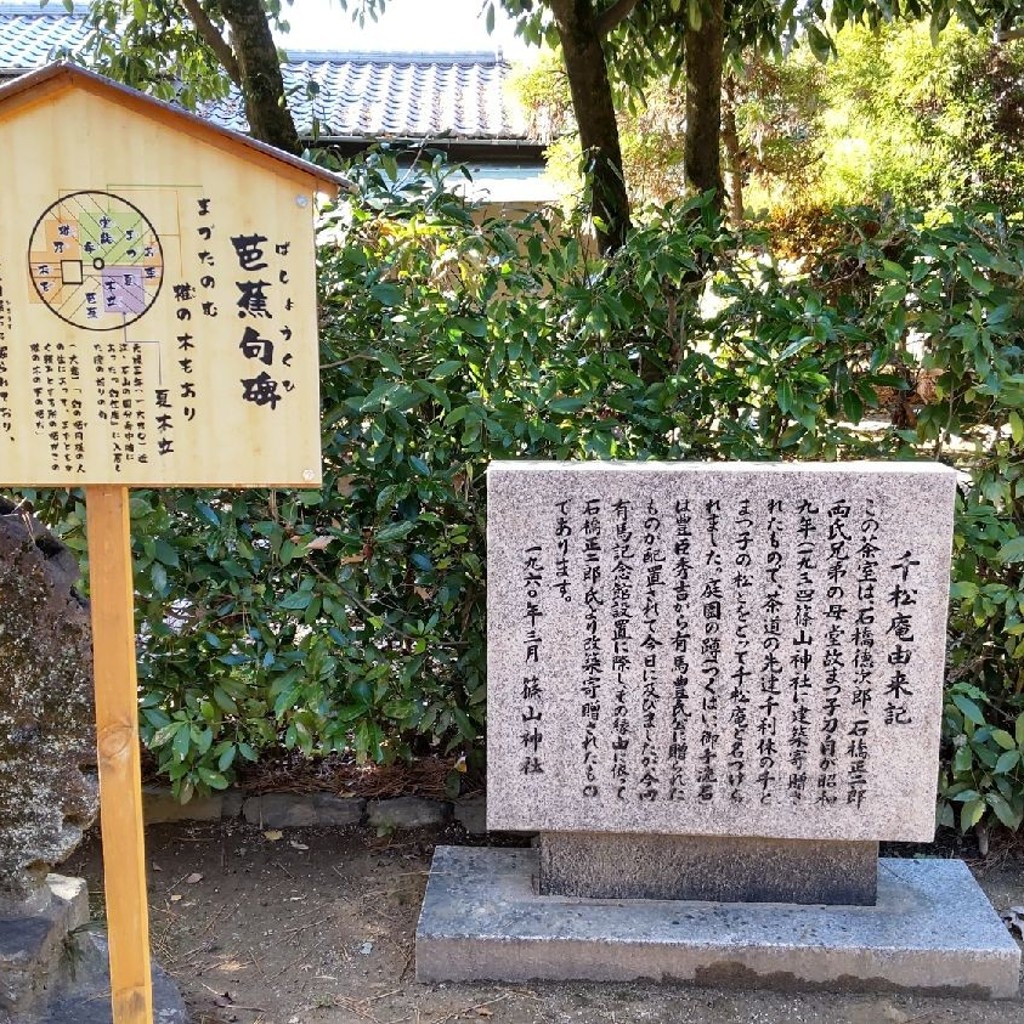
<point>117,744</point>
<point>157,329</point>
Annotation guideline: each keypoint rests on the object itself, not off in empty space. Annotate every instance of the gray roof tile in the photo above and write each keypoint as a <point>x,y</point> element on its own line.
<point>348,95</point>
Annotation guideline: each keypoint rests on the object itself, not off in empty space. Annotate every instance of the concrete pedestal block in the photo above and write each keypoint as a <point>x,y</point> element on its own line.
<point>932,931</point>
<point>608,865</point>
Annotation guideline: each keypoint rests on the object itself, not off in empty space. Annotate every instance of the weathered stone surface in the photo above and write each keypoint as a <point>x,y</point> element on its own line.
<point>295,810</point>
<point>734,649</point>
<point>612,866</point>
<point>47,738</point>
<point>407,812</point>
<point>338,810</point>
<point>32,940</point>
<point>232,802</point>
<point>84,998</point>
<point>931,931</point>
<point>280,810</point>
<point>471,814</point>
<point>159,805</point>
<point>54,972</point>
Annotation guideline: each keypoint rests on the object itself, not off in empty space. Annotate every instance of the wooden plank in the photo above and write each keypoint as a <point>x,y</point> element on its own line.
<point>117,737</point>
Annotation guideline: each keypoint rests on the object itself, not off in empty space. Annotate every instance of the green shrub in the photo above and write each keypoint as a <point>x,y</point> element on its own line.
<point>352,617</point>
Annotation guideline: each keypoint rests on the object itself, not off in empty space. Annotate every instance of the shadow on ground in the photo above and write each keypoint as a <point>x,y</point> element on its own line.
<point>316,926</point>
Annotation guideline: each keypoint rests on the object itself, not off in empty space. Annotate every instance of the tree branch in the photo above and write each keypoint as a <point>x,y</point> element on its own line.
<point>213,38</point>
<point>615,15</point>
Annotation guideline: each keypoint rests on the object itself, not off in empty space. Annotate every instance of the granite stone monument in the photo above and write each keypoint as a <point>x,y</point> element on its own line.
<point>712,690</point>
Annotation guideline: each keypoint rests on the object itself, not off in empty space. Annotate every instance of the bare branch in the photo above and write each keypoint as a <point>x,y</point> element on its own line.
<point>216,42</point>
<point>615,15</point>
<point>1008,35</point>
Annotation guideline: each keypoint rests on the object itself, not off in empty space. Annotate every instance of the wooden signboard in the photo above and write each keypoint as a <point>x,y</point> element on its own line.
<point>157,328</point>
<point>157,297</point>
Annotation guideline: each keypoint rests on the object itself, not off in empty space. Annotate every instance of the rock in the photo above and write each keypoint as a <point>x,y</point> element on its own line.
<point>85,998</point>
<point>295,810</point>
<point>279,810</point>
<point>471,814</point>
<point>48,792</point>
<point>33,937</point>
<point>338,810</point>
<point>53,971</point>
<point>232,802</point>
<point>408,812</point>
<point>159,805</point>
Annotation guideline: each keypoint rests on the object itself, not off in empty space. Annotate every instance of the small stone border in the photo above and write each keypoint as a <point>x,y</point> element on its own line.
<point>296,810</point>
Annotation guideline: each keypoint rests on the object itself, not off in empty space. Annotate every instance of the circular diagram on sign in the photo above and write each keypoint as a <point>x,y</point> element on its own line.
<point>95,261</point>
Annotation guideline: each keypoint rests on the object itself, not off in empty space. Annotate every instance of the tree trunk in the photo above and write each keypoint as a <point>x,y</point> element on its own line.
<point>735,163</point>
<point>260,72</point>
<point>704,47</point>
<point>587,71</point>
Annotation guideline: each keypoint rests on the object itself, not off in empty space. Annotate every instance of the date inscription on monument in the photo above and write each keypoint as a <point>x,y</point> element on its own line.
<point>735,649</point>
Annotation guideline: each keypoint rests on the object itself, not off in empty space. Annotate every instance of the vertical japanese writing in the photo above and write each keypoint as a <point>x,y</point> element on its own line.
<point>902,599</point>
<point>531,710</point>
<point>711,654</point>
<point>858,750</point>
<point>60,439</point>
<point>593,650</point>
<point>178,399</point>
<point>99,374</point>
<point>833,661</point>
<point>187,392</point>
<point>801,683</point>
<point>140,441</point>
<point>6,402</point>
<point>623,577</point>
<point>739,694</point>
<point>76,413</point>
<point>119,403</point>
<point>45,393</point>
<point>158,339</point>
<point>682,637</point>
<point>772,667</point>
<point>563,534</point>
<point>119,395</point>
<point>261,300</point>
<point>691,643</point>
<point>38,391</point>
<point>67,381</point>
<point>652,559</point>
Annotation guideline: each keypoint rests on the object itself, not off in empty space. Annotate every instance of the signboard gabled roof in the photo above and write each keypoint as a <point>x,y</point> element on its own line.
<point>54,79</point>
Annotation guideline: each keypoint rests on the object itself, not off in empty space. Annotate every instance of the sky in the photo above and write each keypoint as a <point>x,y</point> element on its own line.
<point>423,25</point>
<point>432,25</point>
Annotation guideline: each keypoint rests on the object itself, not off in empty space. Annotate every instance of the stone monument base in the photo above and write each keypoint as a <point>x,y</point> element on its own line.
<point>730,869</point>
<point>52,971</point>
<point>931,931</point>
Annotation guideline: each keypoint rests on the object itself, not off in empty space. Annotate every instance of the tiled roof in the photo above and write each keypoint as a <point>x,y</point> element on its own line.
<point>395,95</point>
<point>345,95</point>
<point>30,36</point>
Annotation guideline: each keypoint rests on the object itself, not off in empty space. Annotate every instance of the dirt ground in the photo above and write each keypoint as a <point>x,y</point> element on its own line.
<point>316,926</point>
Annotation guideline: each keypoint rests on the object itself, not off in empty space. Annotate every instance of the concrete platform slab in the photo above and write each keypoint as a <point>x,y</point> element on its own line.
<point>932,930</point>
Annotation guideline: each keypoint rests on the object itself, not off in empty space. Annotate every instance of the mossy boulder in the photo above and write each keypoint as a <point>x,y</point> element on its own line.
<point>48,792</point>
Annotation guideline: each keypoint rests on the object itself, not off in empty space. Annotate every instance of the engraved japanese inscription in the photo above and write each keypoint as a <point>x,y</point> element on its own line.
<point>717,649</point>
